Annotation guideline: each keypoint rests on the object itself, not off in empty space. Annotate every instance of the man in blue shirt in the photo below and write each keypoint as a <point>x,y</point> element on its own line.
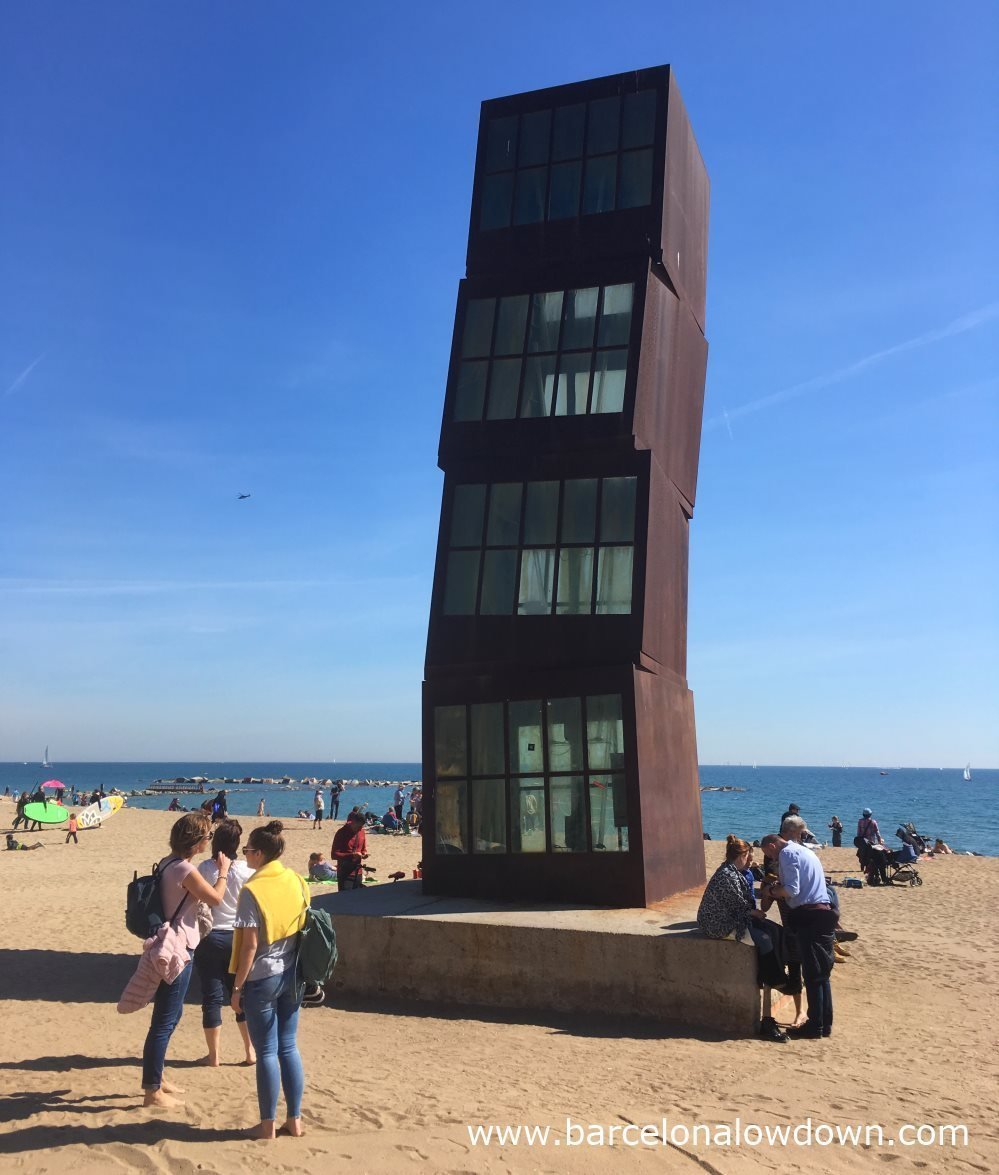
<point>812,919</point>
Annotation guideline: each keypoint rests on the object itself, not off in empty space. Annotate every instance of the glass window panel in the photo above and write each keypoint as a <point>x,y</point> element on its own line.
<point>605,732</point>
<point>546,314</point>
<point>610,372</point>
<point>526,749</point>
<point>504,386</point>
<point>565,734</point>
<point>580,318</point>
<point>499,581</point>
<point>568,814</point>
<point>615,317</point>
<point>503,529</point>
<point>501,143</point>
<point>478,335</point>
<point>608,813</point>
<point>497,195</point>
<point>636,179</point>
<point>487,739</point>
<point>537,575</point>
<point>579,511</point>
<point>614,581</point>
<point>529,206</point>
<point>563,197</point>
<point>461,583</point>
<point>449,740</point>
<point>541,516</point>
<point>470,394</point>
<point>617,510</point>
<point>567,140</point>
<point>573,387</point>
<point>527,815</point>
<point>535,130</point>
<point>467,509</point>
<point>638,127</point>
<point>510,325</point>
<point>489,816</point>
<point>451,810</point>
<point>601,134</point>
<point>539,386</point>
<point>575,581</point>
<point>598,189</point>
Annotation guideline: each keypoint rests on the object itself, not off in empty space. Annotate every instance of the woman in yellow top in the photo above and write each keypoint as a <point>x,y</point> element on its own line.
<point>269,915</point>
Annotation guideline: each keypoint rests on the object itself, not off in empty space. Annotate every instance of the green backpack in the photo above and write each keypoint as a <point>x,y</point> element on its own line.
<point>317,953</point>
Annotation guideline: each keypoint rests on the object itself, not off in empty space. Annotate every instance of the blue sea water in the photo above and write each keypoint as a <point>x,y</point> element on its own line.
<point>938,802</point>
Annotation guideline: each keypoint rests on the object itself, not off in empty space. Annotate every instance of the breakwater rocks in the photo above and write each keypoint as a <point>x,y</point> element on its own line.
<point>202,784</point>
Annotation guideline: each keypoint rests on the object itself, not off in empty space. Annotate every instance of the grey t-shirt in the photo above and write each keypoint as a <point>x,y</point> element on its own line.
<point>272,958</point>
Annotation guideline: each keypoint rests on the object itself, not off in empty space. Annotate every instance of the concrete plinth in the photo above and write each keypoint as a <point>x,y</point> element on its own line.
<point>397,942</point>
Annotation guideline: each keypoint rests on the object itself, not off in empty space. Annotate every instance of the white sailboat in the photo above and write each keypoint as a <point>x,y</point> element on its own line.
<point>45,760</point>
<point>967,774</point>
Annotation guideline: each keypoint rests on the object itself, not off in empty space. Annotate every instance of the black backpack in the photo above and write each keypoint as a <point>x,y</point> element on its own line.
<point>143,905</point>
<point>317,953</point>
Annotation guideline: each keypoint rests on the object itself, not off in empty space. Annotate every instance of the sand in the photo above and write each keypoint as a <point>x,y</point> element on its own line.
<point>393,1088</point>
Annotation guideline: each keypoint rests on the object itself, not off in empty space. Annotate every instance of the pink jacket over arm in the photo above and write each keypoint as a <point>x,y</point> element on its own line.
<point>163,958</point>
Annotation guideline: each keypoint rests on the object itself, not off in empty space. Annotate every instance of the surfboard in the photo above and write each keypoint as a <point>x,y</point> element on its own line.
<point>46,813</point>
<point>93,814</point>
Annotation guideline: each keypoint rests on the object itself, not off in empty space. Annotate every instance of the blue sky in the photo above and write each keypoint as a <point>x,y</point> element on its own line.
<point>230,242</point>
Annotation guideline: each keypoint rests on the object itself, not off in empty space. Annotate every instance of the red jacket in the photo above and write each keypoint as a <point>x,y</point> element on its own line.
<point>348,847</point>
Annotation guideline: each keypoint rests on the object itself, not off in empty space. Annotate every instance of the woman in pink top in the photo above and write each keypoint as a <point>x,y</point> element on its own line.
<point>181,888</point>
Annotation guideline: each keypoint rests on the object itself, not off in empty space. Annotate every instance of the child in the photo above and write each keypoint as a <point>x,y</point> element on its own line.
<point>73,829</point>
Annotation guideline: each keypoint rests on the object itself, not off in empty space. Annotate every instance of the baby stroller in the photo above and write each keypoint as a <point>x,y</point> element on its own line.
<point>902,866</point>
<point>908,835</point>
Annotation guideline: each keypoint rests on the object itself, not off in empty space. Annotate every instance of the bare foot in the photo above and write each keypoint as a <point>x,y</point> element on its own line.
<point>169,1087</point>
<point>264,1132</point>
<point>156,1097</point>
<point>251,1059</point>
<point>209,1062</point>
<point>292,1128</point>
<point>802,1019</point>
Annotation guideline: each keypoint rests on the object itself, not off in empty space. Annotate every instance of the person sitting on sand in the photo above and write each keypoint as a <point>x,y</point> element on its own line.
<point>390,822</point>
<point>211,958</point>
<point>174,805</point>
<point>320,869</point>
<point>17,845</point>
<point>350,847</point>
<point>944,849</point>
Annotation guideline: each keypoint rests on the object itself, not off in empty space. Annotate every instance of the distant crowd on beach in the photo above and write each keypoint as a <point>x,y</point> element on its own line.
<point>801,950</point>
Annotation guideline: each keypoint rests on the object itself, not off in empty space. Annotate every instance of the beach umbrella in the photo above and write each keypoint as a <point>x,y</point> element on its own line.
<point>54,785</point>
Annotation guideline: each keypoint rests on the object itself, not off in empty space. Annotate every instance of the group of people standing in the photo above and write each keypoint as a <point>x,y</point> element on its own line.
<point>247,959</point>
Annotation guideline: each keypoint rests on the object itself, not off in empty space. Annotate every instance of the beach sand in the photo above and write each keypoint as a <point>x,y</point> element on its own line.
<point>392,1088</point>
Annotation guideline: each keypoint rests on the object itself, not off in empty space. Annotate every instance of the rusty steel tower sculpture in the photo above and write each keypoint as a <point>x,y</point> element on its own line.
<point>559,750</point>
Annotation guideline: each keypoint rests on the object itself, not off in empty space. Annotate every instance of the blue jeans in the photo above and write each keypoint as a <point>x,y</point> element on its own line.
<point>271,1007</point>
<point>211,960</point>
<point>168,1004</point>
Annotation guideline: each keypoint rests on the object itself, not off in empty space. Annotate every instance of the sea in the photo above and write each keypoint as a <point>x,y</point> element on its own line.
<point>937,800</point>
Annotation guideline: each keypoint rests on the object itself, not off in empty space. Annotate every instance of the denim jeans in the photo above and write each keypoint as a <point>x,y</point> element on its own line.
<point>211,961</point>
<point>345,882</point>
<point>271,1007</point>
<point>168,1004</point>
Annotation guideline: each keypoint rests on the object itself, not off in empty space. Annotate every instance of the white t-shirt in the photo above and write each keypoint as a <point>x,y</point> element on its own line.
<point>224,914</point>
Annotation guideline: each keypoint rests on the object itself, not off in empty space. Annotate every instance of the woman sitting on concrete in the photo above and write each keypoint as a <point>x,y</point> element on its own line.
<point>727,908</point>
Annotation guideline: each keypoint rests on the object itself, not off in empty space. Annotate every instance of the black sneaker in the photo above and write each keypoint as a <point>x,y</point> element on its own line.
<point>771,1030</point>
<point>845,935</point>
<point>314,996</point>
